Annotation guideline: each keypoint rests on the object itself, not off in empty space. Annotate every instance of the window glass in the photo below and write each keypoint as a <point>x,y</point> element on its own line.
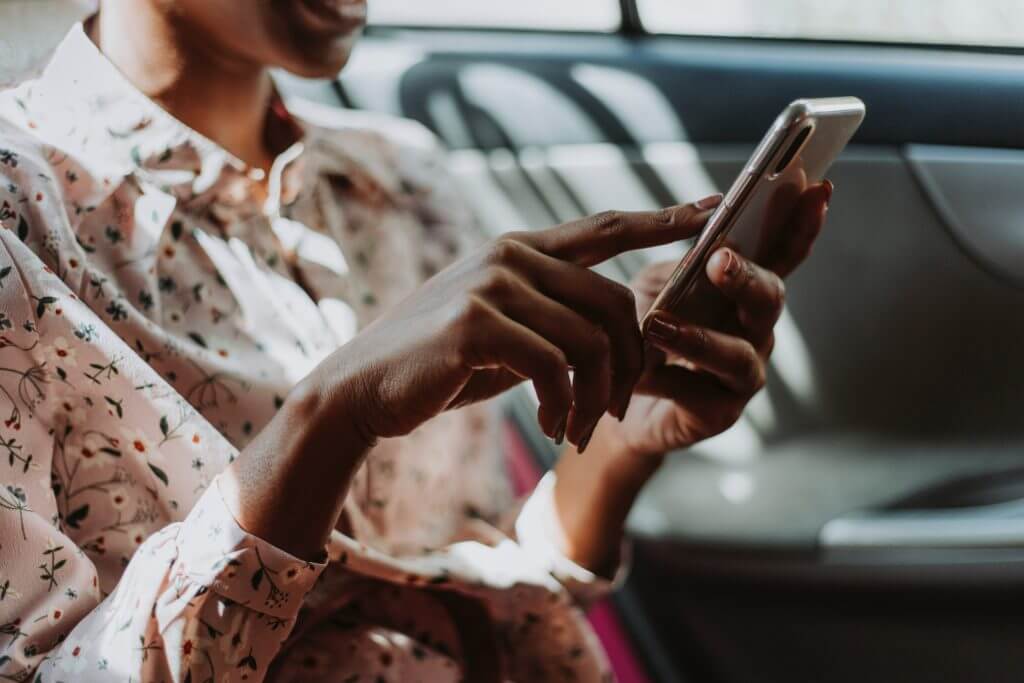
<point>955,22</point>
<point>572,15</point>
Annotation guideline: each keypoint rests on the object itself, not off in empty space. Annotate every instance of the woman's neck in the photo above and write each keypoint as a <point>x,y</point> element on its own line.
<point>221,96</point>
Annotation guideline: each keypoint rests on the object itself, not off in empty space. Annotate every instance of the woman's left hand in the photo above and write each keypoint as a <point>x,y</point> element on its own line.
<point>699,378</point>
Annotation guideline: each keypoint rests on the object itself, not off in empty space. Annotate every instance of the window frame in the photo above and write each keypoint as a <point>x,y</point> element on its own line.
<point>631,26</point>
<point>636,26</point>
<point>629,23</point>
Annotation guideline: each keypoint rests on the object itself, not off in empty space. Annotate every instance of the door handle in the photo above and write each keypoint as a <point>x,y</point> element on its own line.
<point>999,525</point>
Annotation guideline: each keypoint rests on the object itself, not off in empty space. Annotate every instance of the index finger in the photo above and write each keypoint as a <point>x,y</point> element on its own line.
<point>591,240</point>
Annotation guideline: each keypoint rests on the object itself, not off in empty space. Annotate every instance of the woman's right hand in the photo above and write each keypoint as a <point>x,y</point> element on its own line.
<point>524,307</point>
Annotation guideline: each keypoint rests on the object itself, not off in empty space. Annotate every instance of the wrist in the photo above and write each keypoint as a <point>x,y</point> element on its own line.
<point>595,491</point>
<point>303,460</point>
<point>326,413</point>
<point>620,455</point>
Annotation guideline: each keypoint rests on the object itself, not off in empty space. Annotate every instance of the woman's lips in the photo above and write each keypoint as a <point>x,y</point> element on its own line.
<point>336,16</point>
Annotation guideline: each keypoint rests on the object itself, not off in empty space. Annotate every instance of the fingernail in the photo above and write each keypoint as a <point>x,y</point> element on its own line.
<point>560,431</point>
<point>585,441</point>
<point>829,189</point>
<point>625,408</point>
<point>661,330</point>
<point>709,202</point>
<point>732,264</point>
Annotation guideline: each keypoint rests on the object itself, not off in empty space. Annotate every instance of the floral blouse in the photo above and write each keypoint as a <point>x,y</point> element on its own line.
<point>158,299</point>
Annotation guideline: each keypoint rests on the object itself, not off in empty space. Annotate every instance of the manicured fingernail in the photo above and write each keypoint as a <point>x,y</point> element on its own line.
<point>661,330</point>
<point>709,202</point>
<point>560,431</point>
<point>829,189</point>
<point>585,441</point>
<point>731,267</point>
<point>625,408</point>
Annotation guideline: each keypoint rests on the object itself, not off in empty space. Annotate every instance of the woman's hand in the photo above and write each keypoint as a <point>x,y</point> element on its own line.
<point>708,362</point>
<point>700,377</point>
<point>526,306</point>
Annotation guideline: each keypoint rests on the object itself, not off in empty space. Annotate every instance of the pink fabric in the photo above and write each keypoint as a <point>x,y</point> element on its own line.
<point>524,473</point>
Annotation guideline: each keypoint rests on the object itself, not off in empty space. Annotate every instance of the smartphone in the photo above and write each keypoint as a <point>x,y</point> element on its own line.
<point>795,153</point>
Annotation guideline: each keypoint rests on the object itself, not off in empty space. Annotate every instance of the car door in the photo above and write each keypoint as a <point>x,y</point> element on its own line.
<point>865,519</point>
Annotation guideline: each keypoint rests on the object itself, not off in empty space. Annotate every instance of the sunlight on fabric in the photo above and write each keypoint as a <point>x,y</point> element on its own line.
<point>449,122</point>
<point>527,108</point>
<point>534,162</point>
<point>678,165</point>
<point>640,107</point>
<point>505,564</point>
<point>600,175</point>
<point>488,200</point>
<point>520,190</point>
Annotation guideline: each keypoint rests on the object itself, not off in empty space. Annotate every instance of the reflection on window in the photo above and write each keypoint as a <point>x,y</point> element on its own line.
<point>954,22</point>
<point>568,15</point>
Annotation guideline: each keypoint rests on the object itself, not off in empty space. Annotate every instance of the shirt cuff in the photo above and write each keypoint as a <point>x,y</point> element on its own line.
<point>214,551</point>
<point>540,535</point>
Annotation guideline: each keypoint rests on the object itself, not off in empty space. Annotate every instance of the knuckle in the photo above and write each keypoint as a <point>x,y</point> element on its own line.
<point>700,342</point>
<point>687,213</point>
<point>469,312</point>
<point>729,415</point>
<point>502,250</point>
<point>753,372</point>
<point>610,222</point>
<point>602,343</point>
<point>598,345</point>
<point>497,280</point>
<point>625,299</point>
<point>556,360</point>
<point>667,216</point>
<point>517,236</point>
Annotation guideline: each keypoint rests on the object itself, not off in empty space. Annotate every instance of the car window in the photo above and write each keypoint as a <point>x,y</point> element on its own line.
<point>953,22</point>
<point>571,15</point>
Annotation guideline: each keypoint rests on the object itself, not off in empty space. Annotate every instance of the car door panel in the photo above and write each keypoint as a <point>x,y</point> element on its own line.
<point>975,191</point>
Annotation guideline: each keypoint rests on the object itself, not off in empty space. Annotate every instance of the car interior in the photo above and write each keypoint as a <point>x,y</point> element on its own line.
<point>865,519</point>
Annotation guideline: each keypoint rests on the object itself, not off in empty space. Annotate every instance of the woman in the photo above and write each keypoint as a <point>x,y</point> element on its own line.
<point>244,359</point>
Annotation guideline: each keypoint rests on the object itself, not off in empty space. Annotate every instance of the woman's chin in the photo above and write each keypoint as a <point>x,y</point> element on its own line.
<point>320,61</point>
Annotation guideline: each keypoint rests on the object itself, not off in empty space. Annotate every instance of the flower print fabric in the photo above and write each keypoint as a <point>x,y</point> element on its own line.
<point>158,300</point>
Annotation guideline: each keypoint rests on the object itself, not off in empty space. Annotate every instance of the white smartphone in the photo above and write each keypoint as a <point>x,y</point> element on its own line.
<point>795,153</point>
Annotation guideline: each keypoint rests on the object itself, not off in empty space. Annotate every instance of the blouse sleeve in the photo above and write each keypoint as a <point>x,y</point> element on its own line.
<point>199,599</point>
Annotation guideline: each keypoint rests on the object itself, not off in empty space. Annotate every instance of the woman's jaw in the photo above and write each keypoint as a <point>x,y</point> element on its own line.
<point>323,34</point>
